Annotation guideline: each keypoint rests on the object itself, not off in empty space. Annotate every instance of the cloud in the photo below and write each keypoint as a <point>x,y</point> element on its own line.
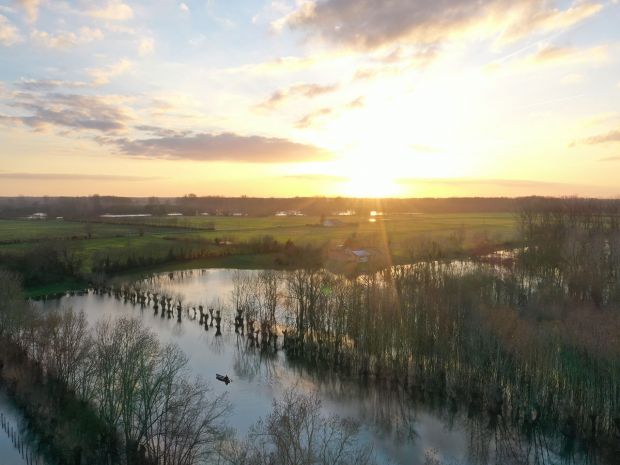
<point>9,34</point>
<point>552,55</point>
<point>73,177</point>
<point>611,136</point>
<point>226,147</point>
<point>65,39</point>
<point>298,90</point>
<point>103,76</point>
<point>114,10</point>
<point>309,119</point>
<point>317,177</point>
<point>67,111</point>
<point>31,7</point>
<point>146,46</point>
<point>184,8</point>
<point>568,55</point>
<point>39,85</point>
<point>615,158</point>
<point>572,79</point>
<point>506,183</point>
<point>368,24</point>
<point>159,131</point>
<point>359,102</point>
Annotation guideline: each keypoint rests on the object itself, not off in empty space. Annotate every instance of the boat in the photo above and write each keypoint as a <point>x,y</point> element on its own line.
<point>223,378</point>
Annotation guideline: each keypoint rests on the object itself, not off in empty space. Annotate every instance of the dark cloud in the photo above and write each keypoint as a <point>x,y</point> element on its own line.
<point>299,90</point>
<point>369,24</point>
<point>222,147</point>
<point>73,177</point>
<point>310,118</point>
<point>611,136</point>
<point>68,111</point>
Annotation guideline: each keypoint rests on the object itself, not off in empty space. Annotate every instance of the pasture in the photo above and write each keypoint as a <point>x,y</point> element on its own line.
<point>158,237</point>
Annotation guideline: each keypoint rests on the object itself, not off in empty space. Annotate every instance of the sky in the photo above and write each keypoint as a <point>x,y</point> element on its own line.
<point>399,98</point>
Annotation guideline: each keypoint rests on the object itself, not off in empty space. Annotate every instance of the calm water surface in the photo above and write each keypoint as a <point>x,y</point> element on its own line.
<point>402,430</point>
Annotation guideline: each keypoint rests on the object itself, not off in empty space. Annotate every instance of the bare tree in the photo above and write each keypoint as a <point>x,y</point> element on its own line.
<point>296,433</point>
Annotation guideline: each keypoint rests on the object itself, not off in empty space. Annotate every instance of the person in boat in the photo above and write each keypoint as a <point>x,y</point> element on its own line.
<point>223,378</point>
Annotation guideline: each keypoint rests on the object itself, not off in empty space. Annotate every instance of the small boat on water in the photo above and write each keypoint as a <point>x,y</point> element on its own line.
<point>224,379</point>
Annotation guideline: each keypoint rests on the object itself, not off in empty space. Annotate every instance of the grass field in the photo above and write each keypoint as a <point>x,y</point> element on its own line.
<point>155,236</point>
<point>35,230</point>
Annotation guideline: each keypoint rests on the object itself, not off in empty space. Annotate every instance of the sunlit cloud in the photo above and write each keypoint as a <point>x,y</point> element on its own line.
<point>146,46</point>
<point>9,34</point>
<point>311,118</point>
<point>103,76</point>
<point>114,10</point>
<point>31,7</point>
<point>297,90</point>
<point>64,39</point>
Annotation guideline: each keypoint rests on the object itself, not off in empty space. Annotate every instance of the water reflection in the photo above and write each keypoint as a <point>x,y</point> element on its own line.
<point>406,426</point>
<point>15,443</point>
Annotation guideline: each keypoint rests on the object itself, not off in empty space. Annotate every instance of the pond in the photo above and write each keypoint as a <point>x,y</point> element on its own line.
<point>403,429</point>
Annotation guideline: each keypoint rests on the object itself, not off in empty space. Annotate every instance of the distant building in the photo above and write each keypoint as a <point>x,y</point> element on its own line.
<point>175,214</point>
<point>38,216</point>
<point>362,255</point>
<point>345,255</point>
<point>346,213</point>
<point>289,213</point>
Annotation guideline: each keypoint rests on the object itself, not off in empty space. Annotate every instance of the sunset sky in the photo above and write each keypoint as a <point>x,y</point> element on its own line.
<point>295,98</point>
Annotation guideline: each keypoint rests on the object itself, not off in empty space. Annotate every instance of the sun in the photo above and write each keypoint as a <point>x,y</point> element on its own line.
<point>370,185</point>
<point>370,171</point>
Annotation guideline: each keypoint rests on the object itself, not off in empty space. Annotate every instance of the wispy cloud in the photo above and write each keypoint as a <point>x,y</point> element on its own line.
<point>552,55</point>
<point>73,177</point>
<point>297,90</point>
<point>226,147</point>
<point>311,118</point>
<point>611,136</point>
<point>38,85</point>
<point>314,177</point>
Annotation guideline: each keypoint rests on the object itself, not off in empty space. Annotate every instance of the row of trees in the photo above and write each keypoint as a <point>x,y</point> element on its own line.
<point>461,329</point>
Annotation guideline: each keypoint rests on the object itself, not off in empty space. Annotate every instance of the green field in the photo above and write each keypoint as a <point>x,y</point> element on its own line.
<point>156,236</point>
<point>36,230</point>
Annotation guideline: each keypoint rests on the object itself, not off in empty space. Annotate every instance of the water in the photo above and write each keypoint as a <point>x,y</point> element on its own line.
<point>402,430</point>
<point>11,451</point>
